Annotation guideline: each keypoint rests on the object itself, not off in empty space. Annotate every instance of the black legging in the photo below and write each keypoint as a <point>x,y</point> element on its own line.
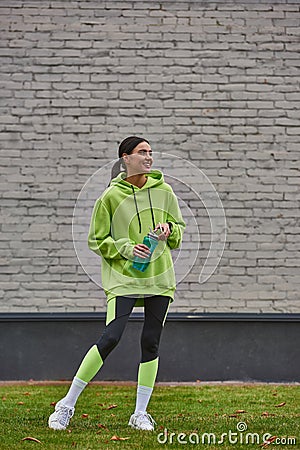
<point>155,308</point>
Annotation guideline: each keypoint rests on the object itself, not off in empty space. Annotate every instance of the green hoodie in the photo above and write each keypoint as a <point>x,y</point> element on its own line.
<point>120,220</point>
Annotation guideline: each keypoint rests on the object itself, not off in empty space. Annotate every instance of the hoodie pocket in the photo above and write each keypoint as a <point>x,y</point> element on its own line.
<point>127,269</point>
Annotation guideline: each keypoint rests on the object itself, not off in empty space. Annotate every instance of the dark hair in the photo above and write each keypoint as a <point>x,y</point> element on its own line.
<point>126,146</point>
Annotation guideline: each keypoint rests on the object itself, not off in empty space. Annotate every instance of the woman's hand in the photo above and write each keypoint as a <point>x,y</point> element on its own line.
<point>165,231</point>
<point>141,250</point>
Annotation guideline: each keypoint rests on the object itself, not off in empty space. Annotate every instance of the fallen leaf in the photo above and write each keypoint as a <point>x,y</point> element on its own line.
<point>117,438</point>
<point>240,411</point>
<point>29,438</point>
<point>112,406</point>
<point>267,414</point>
<point>268,442</point>
<point>20,403</point>
<point>84,416</point>
<point>232,415</point>
<point>52,403</point>
<point>102,426</point>
<point>280,405</point>
<point>26,393</point>
<point>4,399</point>
<point>199,401</point>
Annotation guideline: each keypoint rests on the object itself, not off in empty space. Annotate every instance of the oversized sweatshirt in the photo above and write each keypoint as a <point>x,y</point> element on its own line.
<point>121,218</point>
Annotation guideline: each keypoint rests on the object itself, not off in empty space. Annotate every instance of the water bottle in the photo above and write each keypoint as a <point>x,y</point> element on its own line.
<point>151,240</point>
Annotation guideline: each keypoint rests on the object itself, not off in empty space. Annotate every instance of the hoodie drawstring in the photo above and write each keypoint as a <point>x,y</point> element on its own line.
<point>137,210</point>
<point>152,213</point>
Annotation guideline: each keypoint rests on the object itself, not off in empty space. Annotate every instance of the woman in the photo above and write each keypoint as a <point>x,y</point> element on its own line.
<point>135,200</point>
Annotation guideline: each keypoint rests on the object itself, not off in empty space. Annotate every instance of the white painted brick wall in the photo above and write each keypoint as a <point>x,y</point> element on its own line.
<point>216,83</point>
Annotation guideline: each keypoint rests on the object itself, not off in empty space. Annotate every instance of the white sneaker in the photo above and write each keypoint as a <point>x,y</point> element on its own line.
<point>142,421</point>
<point>59,420</point>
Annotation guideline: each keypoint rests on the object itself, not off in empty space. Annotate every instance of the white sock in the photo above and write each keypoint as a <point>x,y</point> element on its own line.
<point>75,390</point>
<point>143,395</point>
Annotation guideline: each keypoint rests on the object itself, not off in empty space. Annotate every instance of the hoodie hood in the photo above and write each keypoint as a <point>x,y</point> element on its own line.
<point>154,178</point>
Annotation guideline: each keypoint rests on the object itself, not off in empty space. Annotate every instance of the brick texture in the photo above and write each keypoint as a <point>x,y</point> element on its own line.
<point>213,83</point>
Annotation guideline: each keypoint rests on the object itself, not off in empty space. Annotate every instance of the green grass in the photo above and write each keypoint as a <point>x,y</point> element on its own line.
<point>199,409</point>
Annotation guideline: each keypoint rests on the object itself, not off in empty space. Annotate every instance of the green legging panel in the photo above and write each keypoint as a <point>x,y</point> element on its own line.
<point>111,311</point>
<point>147,373</point>
<point>91,364</point>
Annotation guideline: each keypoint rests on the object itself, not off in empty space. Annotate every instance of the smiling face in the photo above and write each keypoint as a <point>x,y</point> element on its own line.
<point>139,161</point>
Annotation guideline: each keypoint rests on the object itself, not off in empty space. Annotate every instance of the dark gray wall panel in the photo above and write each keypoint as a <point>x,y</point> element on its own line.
<point>208,347</point>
